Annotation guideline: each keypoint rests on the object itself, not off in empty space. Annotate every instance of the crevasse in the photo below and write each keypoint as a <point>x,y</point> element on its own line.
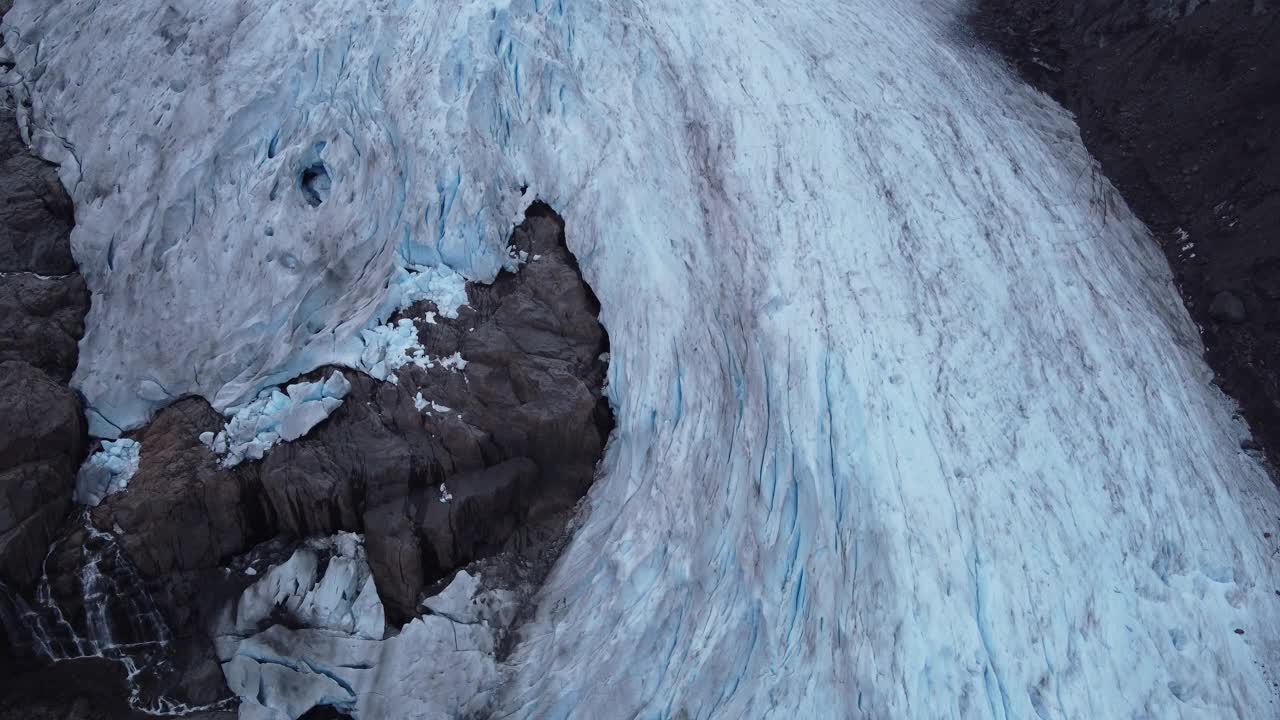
<point>911,422</point>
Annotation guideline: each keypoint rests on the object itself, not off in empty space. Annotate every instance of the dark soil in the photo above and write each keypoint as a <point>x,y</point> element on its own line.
<point>1180,103</point>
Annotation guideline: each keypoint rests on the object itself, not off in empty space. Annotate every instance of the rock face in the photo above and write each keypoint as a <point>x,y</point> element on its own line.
<point>514,436</point>
<point>1180,102</point>
<point>42,434</point>
<point>35,212</point>
<point>41,443</point>
<point>445,465</point>
<point>41,319</point>
<point>90,689</point>
<point>183,511</point>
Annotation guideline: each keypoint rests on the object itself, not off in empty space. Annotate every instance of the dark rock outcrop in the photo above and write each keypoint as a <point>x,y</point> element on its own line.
<point>525,425</point>
<point>35,212</point>
<point>42,320</point>
<point>513,438</point>
<point>42,440</point>
<point>183,511</point>
<point>88,689</point>
<point>42,432</point>
<point>1180,103</point>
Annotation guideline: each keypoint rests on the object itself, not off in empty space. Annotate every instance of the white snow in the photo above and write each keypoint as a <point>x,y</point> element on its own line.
<point>107,471</point>
<point>275,417</point>
<point>911,421</point>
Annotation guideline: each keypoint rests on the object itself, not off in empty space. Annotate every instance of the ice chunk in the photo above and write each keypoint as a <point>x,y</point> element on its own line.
<point>422,404</point>
<point>455,601</point>
<point>439,284</point>
<point>277,417</point>
<point>388,348</point>
<point>302,417</point>
<point>107,471</point>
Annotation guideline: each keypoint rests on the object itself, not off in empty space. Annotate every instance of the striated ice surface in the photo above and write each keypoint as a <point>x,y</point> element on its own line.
<point>911,421</point>
<point>107,471</point>
<point>275,417</point>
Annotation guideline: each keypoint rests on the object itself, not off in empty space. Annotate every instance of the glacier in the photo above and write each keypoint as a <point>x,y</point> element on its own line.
<point>911,421</point>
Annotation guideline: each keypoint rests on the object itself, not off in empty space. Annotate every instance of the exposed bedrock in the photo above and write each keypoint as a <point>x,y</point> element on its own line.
<point>1180,103</point>
<point>42,307</point>
<point>449,464</point>
<point>439,468</point>
<point>41,443</point>
<point>41,320</point>
<point>43,301</point>
<point>76,690</point>
<point>35,212</point>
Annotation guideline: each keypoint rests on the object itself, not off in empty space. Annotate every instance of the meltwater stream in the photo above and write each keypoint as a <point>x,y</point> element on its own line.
<point>911,422</point>
<point>99,611</point>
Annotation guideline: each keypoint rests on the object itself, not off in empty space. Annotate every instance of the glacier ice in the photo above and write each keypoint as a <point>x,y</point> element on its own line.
<point>390,347</point>
<point>911,421</point>
<point>339,595</point>
<point>107,471</point>
<point>333,651</point>
<point>274,417</point>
